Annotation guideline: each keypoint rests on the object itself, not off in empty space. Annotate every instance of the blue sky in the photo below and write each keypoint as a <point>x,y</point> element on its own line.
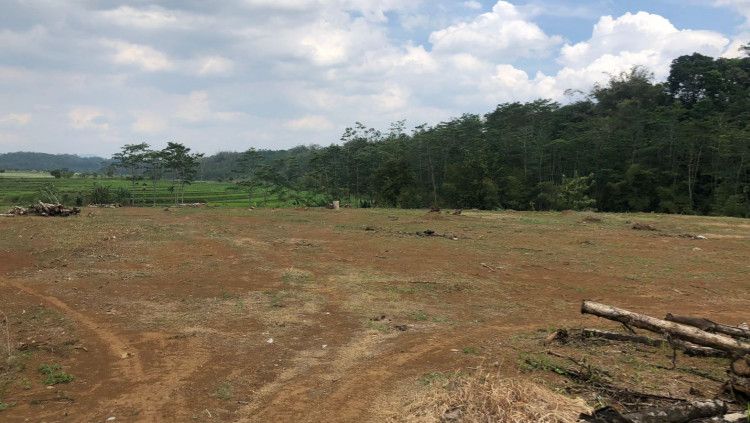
<point>87,76</point>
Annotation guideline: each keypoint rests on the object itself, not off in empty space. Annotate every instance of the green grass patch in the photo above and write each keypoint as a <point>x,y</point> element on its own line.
<point>296,276</point>
<point>419,316</point>
<point>428,379</point>
<point>224,391</point>
<point>54,374</point>
<point>378,326</point>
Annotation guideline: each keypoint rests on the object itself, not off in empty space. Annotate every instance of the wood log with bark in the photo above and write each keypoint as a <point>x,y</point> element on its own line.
<point>675,330</point>
<point>676,413</point>
<point>727,418</point>
<point>679,413</point>
<point>709,326</point>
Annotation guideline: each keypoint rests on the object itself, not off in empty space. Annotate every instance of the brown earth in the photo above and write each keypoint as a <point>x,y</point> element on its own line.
<point>277,315</point>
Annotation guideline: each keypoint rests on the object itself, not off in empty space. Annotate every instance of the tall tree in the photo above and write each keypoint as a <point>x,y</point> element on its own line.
<point>183,165</point>
<point>132,157</point>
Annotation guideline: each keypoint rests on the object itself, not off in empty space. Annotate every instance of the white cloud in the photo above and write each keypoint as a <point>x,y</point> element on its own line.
<point>88,118</point>
<point>273,72</point>
<point>196,108</point>
<point>15,119</point>
<point>641,39</point>
<point>145,57</point>
<point>310,123</point>
<point>392,98</point>
<point>733,51</point>
<point>214,65</point>
<point>472,4</point>
<point>502,34</point>
<point>149,123</point>
<point>152,17</point>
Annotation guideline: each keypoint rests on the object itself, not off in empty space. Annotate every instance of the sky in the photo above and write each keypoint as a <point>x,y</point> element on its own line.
<point>86,76</point>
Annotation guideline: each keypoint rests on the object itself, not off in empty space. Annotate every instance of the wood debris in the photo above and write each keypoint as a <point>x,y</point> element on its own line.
<point>43,209</point>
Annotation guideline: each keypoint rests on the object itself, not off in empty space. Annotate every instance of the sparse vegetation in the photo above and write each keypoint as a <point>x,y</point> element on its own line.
<point>433,377</point>
<point>54,374</point>
<point>471,350</point>
<point>419,316</point>
<point>213,294</point>
<point>224,391</point>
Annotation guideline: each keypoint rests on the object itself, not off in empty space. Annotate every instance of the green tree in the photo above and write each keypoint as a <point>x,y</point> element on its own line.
<point>132,158</point>
<point>183,165</point>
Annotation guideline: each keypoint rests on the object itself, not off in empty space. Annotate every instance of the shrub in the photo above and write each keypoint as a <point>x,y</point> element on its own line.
<point>123,196</point>
<point>100,194</point>
<point>54,374</point>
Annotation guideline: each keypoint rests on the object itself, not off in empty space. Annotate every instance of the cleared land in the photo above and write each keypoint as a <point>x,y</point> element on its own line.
<point>316,315</point>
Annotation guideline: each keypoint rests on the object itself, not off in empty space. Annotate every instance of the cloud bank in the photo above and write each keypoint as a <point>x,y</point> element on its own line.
<point>87,77</point>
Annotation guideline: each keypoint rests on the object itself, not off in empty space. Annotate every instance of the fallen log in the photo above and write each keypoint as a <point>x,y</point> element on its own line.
<point>675,413</point>
<point>688,348</point>
<point>709,326</point>
<point>727,418</point>
<point>679,413</point>
<point>675,330</point>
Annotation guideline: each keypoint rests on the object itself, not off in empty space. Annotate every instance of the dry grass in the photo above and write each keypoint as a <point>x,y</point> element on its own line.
<point>485,397</point>
<point>6,324</point>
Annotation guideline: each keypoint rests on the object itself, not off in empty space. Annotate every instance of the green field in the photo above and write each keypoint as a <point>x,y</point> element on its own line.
<point>24,174</point>
<point>29,187</point>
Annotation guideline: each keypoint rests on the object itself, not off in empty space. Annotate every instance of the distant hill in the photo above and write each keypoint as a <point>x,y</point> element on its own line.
<point>42,161</point>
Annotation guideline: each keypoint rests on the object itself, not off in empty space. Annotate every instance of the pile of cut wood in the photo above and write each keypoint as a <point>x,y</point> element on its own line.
<point>698,337</point>
<point>43,209</point>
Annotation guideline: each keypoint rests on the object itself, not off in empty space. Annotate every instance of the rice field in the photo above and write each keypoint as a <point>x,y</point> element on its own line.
<point>22,188</point>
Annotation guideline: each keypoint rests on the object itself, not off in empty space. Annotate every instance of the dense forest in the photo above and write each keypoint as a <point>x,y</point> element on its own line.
<point>681,146</point>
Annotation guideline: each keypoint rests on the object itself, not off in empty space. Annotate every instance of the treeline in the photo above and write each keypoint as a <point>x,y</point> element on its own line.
<point>681,146</point>
<point>42,161</point>
<point>175,162</point>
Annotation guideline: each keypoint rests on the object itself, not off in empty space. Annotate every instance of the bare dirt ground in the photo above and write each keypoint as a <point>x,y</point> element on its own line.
<point>316,315</point>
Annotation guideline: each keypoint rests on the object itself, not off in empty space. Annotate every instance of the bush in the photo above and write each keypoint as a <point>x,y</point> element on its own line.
<point>54,374</point>
<point>123,196</point>
<point>100,195</point>
<point>574,193</point>
<point>48,193</point>
<point>736,206</point>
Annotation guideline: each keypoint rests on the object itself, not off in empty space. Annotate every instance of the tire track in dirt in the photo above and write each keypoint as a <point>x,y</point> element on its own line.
<point>361,383</point>
<point>153,393</point>
<point>154,390</point>
<point>132,368</point>
<point>160,399</point>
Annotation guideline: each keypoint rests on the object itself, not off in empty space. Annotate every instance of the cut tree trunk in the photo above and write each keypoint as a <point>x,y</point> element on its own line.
<point>687,347</point>
<point>727,418</point>
<point>676,330</point>
<point>680,413</point>
<point>709,326</point>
